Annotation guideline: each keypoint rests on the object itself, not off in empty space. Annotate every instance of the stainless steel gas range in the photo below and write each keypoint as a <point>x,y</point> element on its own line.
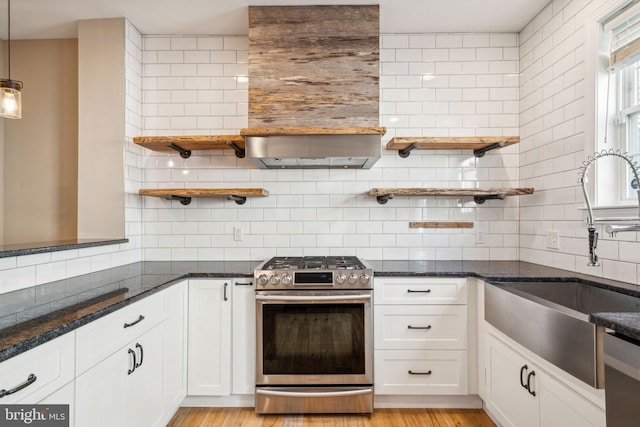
<point>314,335</point>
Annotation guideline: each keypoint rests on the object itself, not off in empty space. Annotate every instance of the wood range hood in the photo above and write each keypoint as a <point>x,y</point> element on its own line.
<point>313,87</point>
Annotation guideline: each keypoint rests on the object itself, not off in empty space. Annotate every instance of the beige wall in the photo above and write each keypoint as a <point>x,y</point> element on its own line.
<point>101,131</point>
<point>40,150</point>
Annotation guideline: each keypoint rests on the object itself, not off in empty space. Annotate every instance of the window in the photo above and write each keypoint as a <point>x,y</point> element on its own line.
<point>618,104</point>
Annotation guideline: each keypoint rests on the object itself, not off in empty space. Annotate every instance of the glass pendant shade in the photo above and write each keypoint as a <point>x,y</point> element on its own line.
<point>10,99</point>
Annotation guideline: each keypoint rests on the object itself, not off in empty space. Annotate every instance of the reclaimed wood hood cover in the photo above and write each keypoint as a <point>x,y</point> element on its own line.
<point>314,86</point>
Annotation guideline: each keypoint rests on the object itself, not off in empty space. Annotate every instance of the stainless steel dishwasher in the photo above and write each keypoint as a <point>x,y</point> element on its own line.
<point>622,381</point>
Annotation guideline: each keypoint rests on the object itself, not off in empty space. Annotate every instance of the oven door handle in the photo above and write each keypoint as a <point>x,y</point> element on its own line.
<point>311,297</point>
<point>314,394</point>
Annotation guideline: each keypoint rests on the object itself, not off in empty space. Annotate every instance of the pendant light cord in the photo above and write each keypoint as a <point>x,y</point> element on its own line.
<point>9,36</point>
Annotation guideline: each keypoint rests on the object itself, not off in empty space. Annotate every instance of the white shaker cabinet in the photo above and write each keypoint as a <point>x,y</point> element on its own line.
<point>131,363</point>
<point>521,394</point>
<point>209,343</point>
<point>420,336</point>
<point>174,373</point>
<point>244,337</point>
<point>126,388</point>
<point>39,374</point>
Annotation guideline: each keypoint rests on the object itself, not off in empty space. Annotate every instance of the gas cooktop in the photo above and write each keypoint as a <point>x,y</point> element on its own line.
<point>313,271</point>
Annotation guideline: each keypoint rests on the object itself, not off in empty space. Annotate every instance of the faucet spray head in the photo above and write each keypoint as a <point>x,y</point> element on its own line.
<point>593,243</point>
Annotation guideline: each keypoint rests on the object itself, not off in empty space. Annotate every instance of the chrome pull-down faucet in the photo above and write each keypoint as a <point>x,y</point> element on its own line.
<point>611,229</point>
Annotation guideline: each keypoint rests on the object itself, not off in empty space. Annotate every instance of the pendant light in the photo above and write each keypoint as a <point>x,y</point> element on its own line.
<point>10,95</point>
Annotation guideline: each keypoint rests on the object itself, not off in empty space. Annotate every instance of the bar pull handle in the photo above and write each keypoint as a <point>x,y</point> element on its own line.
<point>531,374</point>
<point>412,291</point>
<point>314,394</point>
<point>30,380</point>
<point>420,373</point>
<point>134,364</point>
<point>224,295</point>
<point>243,284</point>
<point>522,371</point>
<point>141,355</point>
<point>419,327</point>
<point>128,325</point>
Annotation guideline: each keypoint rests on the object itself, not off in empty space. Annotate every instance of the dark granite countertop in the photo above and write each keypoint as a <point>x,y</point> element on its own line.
<point>55,246</point>
<point>33,316</point>
<point>30,317</point>
<point>627,324</point>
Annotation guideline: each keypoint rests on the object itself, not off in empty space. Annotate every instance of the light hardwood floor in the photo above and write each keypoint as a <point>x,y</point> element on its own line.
<point>246,417</point>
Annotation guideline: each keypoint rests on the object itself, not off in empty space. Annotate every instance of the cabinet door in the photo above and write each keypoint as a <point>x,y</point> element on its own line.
<point>143,387</point>
<point>508,400</point>
<point>175,349</point>
<point>244,337</point>
<point>209,344</point>
<point>561,406</point>
<point>100,391</point>
<point>63,396</point>
<point>113,393</point>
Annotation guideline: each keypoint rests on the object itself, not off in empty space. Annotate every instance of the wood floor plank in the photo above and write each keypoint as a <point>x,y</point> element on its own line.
<point>246,417</point>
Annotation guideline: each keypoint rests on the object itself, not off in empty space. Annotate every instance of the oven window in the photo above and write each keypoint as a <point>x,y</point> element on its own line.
<point>313,339</point>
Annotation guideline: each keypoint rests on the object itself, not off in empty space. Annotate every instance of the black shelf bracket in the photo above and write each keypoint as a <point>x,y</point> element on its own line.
<point>404,153</point>
<point>238,199</point>
<point>239,151</point>
<point>182,199</point>
<point>480,152</point>
<point>185,154</point>
<point>385,198</point>
<point>481,199</point>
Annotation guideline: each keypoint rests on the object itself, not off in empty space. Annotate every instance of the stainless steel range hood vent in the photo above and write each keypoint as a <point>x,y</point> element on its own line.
<point>313,151</point>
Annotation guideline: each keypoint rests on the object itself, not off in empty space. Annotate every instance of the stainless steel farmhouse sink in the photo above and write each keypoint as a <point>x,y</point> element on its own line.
<point>551,319</point>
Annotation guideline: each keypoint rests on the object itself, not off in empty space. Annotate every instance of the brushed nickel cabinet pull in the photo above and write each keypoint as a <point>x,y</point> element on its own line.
<point>30,380</point>
<point>140,319</point>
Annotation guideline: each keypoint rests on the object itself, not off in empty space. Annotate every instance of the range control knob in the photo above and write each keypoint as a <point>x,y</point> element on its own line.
<point>262,279</point>
<point>364,279</point>
<point>353,279</point>
<point>286,279</point>
<point>340,279</point>
<point>274,279</point>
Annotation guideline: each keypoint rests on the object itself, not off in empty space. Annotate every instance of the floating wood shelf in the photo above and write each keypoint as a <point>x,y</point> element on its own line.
<point>440,224</point>
<point>479,144</point>
<point>479,195</point>
<point>184,195</point>
<point>279,131</point>
<point>185,144</point>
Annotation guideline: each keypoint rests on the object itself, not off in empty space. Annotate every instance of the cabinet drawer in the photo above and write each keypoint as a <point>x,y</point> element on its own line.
<point>99,339</point>
<point>51,363</point>
<point>412,290</point>
<point>421,372</point>
<point>420,327</point>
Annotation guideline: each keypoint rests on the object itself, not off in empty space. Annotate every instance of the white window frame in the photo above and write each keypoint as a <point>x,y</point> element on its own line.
<point>609,186</point>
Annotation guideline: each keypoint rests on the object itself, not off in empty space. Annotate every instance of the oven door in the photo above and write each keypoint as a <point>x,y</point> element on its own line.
<point>314,338</point>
